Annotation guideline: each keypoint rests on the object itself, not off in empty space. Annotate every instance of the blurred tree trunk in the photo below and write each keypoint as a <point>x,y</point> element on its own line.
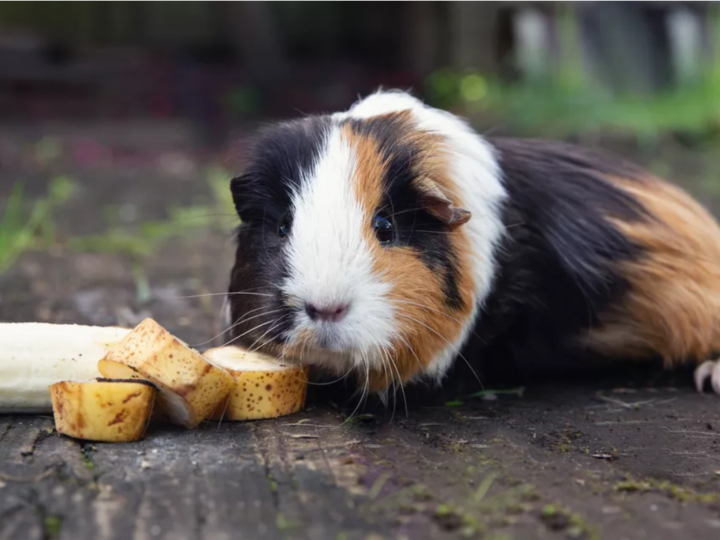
<point>421,42</point>
<point>533,47</point>
<point>254,32</point>
<point>688,38</point>
<point>472,32</point>
<point>628,44</point>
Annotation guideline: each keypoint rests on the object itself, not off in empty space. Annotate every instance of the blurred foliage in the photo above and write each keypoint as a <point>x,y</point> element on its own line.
<point>241,102</point>
<point>219,180</point>
<point>558,110</point>
<point>567,102</point>
<point>25,225</point>
<point>145,238</point>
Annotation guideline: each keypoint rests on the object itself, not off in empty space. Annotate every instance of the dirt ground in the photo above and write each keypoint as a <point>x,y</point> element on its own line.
<point>621,459</point>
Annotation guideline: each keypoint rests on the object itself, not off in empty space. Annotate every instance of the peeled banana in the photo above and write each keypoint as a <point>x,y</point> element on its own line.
<point>104,410</point>
<point>34,356</point>
<point>263,388</point>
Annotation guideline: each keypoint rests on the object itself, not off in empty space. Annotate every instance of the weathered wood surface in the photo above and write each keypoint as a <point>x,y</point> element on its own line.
<point>639,465</point>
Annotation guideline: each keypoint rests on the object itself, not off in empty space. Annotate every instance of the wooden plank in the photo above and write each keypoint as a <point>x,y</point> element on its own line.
<point>310,476</point>
<point>74,457</point>
<point>237,503</point>
<point>51,479</point>
<point>234,493</point>
<point>20,478</point>
<point>167,507</point>
<point>166,499</point>
<point>115,508</point>
<point>22,523</point>
<point>290,503</point>
<point>301,460</point>
<point>19,437</point>
<point>5,423</point>
<point>67,503</point>
<point>177,484</point>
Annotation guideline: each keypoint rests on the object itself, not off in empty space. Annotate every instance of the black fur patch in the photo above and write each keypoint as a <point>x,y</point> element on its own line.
<point>278,157</point>
<point>558,264</point>
<point>415,226</point>
<point>262,197</point>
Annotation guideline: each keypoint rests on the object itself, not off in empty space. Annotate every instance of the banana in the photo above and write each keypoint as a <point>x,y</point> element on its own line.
<point>34,356</point>
<point>55,368</point>
<point>105,410</point>
<point>264,387</point>
<point>189,388</point>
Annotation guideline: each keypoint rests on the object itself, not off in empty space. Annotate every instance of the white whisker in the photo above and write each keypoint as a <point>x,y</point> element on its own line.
<point>395,299</point>
<point>239,322</point>
<point>278,322</point>
<point>365,389</point>
<point>457,350</point>
<point>244,293</point>
<point>405,342</point>
<point>245,333</point>
<point>388,368</point>
<point>400,382</point>
<point>444,314</point>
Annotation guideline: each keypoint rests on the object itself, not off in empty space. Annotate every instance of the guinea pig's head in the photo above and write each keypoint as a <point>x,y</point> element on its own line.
<point>356,249</point>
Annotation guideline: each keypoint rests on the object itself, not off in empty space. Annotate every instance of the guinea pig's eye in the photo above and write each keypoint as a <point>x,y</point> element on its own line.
<point>384,229</point>
<point>284,227</point>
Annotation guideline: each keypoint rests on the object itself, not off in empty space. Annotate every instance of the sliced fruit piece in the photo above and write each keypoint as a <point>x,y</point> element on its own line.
<point>189,387</point>
<point>105,410</point>
<point>167,399</point>
<point>264,387</point>
<point>34,356</point>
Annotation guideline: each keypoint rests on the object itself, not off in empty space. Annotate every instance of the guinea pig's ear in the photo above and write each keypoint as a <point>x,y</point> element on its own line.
<point>240,187</point>
<point>437,203</point>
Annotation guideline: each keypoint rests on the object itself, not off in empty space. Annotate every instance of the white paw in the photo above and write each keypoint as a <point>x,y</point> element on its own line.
<point>709,369</point>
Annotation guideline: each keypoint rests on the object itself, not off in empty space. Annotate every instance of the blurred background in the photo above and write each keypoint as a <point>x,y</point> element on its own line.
<point>122,123</point>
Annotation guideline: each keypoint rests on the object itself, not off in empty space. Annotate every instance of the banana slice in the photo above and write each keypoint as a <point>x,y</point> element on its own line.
<point>34,356</point>
<point>104,410</point>
<point>264,387</point>
<point>189,388</point>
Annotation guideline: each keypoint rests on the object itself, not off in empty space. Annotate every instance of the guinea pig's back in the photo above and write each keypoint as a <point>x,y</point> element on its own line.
<point>643,253</point>
<point>672,307</point>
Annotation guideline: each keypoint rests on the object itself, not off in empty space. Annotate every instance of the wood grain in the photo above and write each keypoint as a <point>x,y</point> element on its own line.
<point>444,472</point>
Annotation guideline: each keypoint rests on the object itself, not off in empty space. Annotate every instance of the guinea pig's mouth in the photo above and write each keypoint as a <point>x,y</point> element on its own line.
<point>295,335</point>
<point>328,338</point>
<point>321,343</point>
<point>322,346</point>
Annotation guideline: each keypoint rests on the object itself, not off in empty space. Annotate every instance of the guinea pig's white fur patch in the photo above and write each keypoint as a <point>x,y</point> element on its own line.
<point>329,260</point>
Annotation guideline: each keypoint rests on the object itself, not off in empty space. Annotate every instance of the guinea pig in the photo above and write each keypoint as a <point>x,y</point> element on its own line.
<point>392,240</point>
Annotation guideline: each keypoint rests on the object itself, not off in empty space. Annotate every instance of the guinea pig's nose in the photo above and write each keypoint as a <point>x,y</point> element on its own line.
<point>334,313</point>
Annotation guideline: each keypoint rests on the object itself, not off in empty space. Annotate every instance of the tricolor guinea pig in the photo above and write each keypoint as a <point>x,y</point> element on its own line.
<point>392,240</point>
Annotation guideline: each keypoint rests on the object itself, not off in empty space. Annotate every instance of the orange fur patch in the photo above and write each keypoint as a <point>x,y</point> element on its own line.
<point>673,308</point>
<point>427,325</point>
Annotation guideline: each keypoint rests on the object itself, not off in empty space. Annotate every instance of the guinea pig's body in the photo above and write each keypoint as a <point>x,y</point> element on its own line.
<point>387,239</point>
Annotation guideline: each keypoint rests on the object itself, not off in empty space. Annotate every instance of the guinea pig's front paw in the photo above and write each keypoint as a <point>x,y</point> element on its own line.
<point>709,369</point>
